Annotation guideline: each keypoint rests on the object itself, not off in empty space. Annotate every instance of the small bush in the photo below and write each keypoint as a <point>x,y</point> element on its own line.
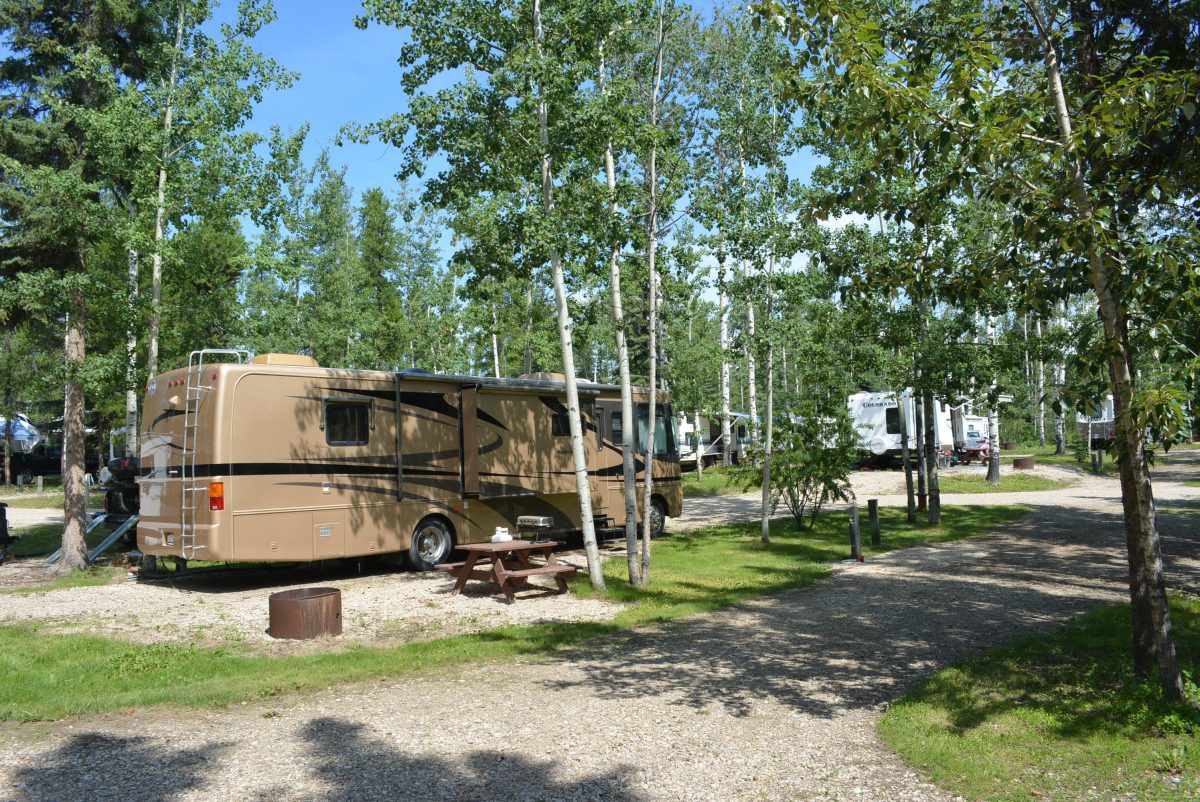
<point>812,457</point>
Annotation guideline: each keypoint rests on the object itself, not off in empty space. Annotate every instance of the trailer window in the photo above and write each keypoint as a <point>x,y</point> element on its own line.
<point>891,417</point>
<point>560,425</point>
<point>347,423</point>
<point>664,436</point>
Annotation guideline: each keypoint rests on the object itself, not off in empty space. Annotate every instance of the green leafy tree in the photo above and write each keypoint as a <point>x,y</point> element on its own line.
<point>1074,118</point>
<point>59,83</point>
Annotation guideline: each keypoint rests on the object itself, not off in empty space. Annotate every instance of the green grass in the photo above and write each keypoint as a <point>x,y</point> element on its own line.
<point>1046,456</point>
<point>1009,483</point>
<point>48,501</point>
<point>720,481</point>
<point>45,539</point>
<point>50,676</point>
<point>1192,483</point>
<point>1058,717</point>
<point>94,575</point>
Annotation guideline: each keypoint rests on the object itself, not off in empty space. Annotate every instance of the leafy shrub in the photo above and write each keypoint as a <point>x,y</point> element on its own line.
<point>812,457</point>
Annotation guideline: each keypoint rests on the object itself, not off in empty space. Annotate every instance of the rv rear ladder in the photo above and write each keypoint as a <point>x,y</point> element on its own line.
<point>191,486</point>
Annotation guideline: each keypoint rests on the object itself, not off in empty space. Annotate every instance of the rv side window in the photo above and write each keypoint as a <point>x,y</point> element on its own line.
<point>347,423</point>
<point>560,425</point>
<point>891,417</point>
<point>616,425</point>
<point>664,437</point>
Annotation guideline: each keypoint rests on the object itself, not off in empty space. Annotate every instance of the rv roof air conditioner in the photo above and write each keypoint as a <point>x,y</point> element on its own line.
<point>295,360</point>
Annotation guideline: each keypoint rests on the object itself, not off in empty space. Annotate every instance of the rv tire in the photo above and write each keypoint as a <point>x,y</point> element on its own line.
<point>432,543</point>
<point>658,517</point>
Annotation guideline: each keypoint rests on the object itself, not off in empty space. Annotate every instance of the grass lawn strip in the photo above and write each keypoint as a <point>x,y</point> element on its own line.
<point>720,481</point>
<point>1009,483</point>
<point>1056,717</point>
<point>51,676</point>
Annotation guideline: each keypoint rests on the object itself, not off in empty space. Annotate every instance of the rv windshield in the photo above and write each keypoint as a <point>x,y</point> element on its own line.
<point>664,434</point>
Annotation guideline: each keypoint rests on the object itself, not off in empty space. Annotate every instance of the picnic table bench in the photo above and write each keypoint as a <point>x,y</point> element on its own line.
<point>507,564</point>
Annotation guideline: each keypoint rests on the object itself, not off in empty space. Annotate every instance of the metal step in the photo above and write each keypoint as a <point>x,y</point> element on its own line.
<point>56,556</point>
<point>117,533</point>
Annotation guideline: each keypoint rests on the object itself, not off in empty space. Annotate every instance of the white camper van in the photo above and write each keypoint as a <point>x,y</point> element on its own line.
<point>876,416</point>
<point>708,441</point>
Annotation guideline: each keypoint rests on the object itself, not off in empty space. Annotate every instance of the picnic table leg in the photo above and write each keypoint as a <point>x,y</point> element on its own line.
<point>465,572</point>
<point>498,568</point>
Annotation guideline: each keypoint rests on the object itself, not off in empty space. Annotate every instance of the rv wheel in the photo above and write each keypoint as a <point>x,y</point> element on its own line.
<point>431,544</point>
<point>658,518</point>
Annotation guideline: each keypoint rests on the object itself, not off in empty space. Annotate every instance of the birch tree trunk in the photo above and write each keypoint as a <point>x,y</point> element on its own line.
<point>918,414</point>
<point>582,486</point>
<point>768,424</point>
<point>906,454</point>
<point>993,471</point>
<point>931,463</point>
<point>723,311</point>
<point>1060,381</point>
<point>628,459</point>
<point>652,346</point>
<point>131,394</point>
<point>1153,637</point>
<point>1039,385</point>
<point>160,205</point>
<point>751,378</point>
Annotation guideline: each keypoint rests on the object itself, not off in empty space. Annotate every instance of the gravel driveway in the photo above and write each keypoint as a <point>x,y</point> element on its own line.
<point>775,699</point>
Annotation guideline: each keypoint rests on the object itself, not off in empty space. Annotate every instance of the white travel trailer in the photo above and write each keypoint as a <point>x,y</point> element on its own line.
<point>1100,426</point>
<point>970,431</point>
<point>876,416</point>
<point>709,443</point>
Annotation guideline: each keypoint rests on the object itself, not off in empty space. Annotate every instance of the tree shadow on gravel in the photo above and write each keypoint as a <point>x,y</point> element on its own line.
<point>358,765</point>
<point>99,766</point>
<point>874,630</point>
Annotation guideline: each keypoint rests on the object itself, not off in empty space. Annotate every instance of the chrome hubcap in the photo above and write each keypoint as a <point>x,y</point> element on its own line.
<point>429,544</point>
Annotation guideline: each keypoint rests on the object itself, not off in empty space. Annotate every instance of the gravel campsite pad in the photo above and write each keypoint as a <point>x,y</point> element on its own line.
<point>380,609</point>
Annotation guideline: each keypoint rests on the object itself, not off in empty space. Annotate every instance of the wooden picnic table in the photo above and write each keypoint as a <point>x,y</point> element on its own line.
<point>508,565</point>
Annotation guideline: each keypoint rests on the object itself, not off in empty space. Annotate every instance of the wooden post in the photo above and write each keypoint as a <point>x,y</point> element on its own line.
<point>873,517</point>
<point>855,540</point>
<point>39,485</point>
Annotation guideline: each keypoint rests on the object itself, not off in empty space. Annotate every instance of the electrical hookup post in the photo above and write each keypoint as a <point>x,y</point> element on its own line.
<point>855,538</point>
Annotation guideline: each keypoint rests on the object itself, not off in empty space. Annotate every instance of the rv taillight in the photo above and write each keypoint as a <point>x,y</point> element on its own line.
<point>216,495</point>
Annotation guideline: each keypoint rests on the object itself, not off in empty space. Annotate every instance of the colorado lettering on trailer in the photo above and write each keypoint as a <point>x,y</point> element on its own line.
<point>278,459</point>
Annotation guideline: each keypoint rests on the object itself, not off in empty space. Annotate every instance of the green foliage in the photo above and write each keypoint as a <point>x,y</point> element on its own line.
<point>811,463</point>
<point>1058,716</point>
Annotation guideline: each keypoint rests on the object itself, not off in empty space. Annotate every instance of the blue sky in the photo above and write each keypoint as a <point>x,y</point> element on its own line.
<point>346,75</point>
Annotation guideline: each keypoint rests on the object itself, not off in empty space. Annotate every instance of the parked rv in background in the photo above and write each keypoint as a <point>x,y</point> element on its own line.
<point>709,444</point>
<point>876,416</point>
<point>25,435</point>
<point>1101,426</point>
<point>25,438</point>
<point>278,459</point>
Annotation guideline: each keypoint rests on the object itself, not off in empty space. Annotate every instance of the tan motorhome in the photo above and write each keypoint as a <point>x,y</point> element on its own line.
<point>278,459</point>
